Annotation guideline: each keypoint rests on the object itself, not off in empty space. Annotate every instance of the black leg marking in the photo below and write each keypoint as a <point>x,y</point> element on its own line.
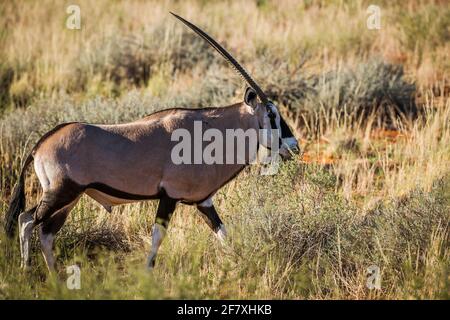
<point>51,213</point>
<point>48,230</point>
<point>165,210</point>
<point>166,207</point>
<point>56,221</point>
<point>209,214</point>
<point>54,200</point>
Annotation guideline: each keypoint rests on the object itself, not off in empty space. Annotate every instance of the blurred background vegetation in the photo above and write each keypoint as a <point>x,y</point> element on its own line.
<point>371,109</point>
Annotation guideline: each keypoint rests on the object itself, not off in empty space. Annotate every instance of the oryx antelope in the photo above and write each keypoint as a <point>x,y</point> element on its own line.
<point>123,163</point>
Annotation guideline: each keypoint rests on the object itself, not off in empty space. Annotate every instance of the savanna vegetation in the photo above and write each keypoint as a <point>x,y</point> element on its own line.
<point>371,109</point>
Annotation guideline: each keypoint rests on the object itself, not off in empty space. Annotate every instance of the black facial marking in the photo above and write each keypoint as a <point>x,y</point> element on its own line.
<point>285,130</point>
<point>272,116</point>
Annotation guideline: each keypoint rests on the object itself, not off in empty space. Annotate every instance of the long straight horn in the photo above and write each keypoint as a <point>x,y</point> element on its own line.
<point>242,72</point>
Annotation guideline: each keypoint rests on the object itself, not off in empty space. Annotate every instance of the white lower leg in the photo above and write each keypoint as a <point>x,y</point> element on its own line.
<point>221,234</point>
<point>26,226</point>
<point>47,249</point>
<point>158,233</point>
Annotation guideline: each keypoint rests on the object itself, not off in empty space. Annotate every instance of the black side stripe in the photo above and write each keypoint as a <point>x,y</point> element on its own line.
<point>122,194</point>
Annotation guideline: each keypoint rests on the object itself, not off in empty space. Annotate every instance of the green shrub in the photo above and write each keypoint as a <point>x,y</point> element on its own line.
<point>371,88</point>
<point>128,60</point>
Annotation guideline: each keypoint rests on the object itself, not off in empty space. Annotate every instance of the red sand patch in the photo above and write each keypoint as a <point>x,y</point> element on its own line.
<point>392,135</point>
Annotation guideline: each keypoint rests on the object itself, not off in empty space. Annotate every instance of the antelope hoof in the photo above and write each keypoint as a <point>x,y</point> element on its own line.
<point>151,263</point>
<point>26,267</point>
<point>221,234</point>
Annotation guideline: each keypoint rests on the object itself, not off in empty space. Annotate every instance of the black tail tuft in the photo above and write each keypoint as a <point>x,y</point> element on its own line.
<point>16,206</point>
<point>17,202</point>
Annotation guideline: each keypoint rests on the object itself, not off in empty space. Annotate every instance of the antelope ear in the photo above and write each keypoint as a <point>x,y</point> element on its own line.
<point>250,97</point>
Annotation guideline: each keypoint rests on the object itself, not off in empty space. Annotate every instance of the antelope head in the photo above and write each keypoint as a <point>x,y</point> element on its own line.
<point>269,117</point>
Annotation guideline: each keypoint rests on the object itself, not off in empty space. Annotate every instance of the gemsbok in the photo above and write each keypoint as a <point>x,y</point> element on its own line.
<point>124,163</point>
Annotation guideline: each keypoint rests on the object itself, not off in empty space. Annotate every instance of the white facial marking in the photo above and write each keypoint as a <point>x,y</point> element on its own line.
<point>266,132</point>
<point>221,234</point>
<point>273,108</point>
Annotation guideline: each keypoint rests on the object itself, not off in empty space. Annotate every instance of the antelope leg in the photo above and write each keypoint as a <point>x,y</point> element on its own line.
<point>211,218</point>
<point>48,230</point>
<point>165,210</point>
<point>26,226</point>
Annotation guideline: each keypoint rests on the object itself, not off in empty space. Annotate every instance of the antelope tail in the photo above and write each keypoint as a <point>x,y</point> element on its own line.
<point>17,202</point>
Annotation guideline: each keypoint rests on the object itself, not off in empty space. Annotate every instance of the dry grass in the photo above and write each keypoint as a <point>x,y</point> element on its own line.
<point>372,110</point>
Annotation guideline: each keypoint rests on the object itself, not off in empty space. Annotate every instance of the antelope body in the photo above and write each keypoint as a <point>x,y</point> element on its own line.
<point>122,163</point>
